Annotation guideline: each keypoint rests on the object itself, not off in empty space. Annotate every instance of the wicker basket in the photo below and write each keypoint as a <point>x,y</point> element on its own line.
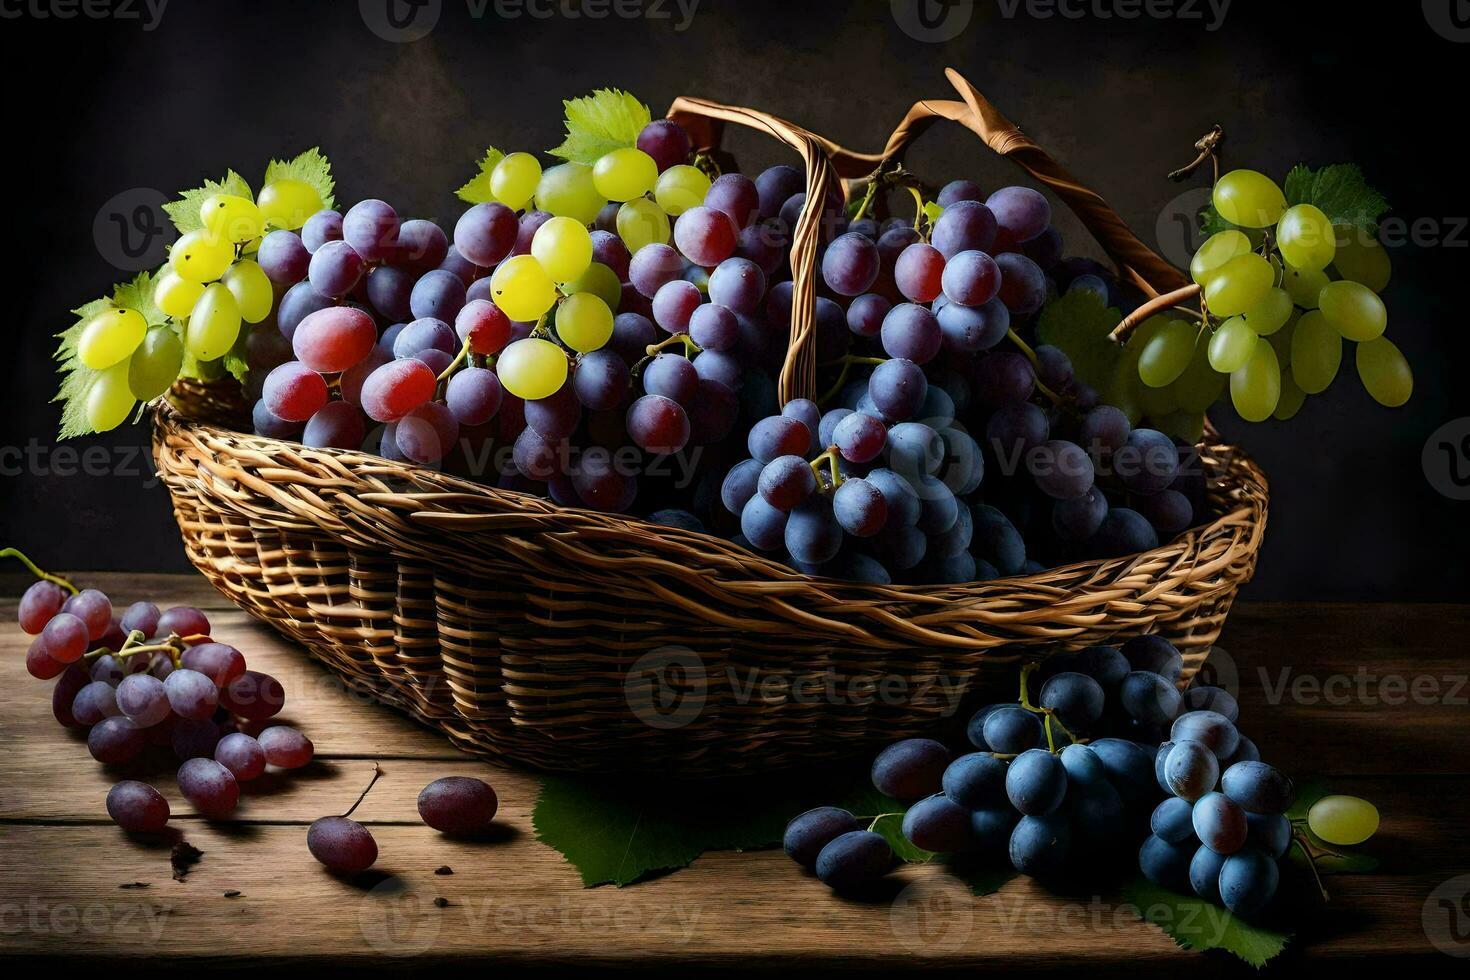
<point>572,640</point>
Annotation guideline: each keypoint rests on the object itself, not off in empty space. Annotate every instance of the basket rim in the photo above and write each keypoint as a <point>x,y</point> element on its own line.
<point>437,502</point>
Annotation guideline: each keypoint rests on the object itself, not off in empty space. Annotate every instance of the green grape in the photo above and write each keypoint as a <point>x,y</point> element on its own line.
<point>110,337</point>
<point>1354,310</point>
<point>680,188</point>
<point>1218,249</point>
<point>1255,388</point>
<point>1292,398</point>
<point>1187,425</point>
<point>230,217</point>
<point>601,282</point>
<point>624,174</point>
<point>521,288</point>
<point>1167,354</point>
<point>1248,198</point>
<point>1147,331</point>
<point>215,323</point>
<point>1384,372</point>
<point>567,191</point>
<point>642,222</point>
<point>109,400</point>
<point>563,247</point>
<point>175,295</point>
<point>1316,353</point>
<point>532,368</point>
<point>156,364</point>
<point>1156,402</point>
<point>1304,287</point>
<point>584,322</point>
<point>199,256</point>
<point>1238,285</point>
<point>251,288</point>
<point>1280,341</point>
<point>1232,344</point>
<point>1361,259</point>
<point>1306,238</point>
<point>288,203</point>
<point>514,180</point>
<point>1200,386</point>
<point>1343,820</point>
<point>1123,386</point>
<point>1271,313</point>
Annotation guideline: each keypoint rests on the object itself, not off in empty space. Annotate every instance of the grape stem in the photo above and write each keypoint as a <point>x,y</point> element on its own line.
<point>829,457</point>
<point>847,361</point>
<point>44,576</point>
<point>1035,364</point>
<point>874,821</point>
<point>377,772</point>
<point>918,209</point>
<point>690,347</point>
<point>1049,717</point>
<point>1130,322</point>
<point>1300,841</point>
<point>459,359</point>
<point>1208,146</point>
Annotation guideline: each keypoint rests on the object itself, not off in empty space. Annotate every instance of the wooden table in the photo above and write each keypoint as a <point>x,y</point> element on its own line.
<point>514,902</point>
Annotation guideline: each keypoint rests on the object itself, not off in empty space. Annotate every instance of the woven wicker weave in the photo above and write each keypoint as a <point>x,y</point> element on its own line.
<point>572,640</point>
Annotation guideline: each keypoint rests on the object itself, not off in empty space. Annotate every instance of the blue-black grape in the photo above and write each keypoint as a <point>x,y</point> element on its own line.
<point>1268,832</point>
<point>938,824</point>
<point>1040,845</point>
<point>787,481</point>
<point>1248,882</point>
<point>1152,652</point>
<point>854,861</point>
<point>763,525</point>
<point>859,507</point>
<point>1191,770</point>
<point>1011,729</point>
<point>911,769</point>
<point>1258,787</point>
<point>991,828</point>
<point>1210,728</point>
<point>1083,766</point>
<point>976,780</point>
<point>1166,864</point>
<point>1130,767</point>
<point>813,535</point>
<point>1061,469</point>
<point>997,541</point>
<point>813,830</point>
<point>1036,782</point>
<point>1123,532</point>
<point>1203,697</point>
<point>965,225</point>
<point>1204,873</point>
<point>1079,518</point>
<point>1149,697</point>
<point>1173,820</point>
<point>1098,815</point>
<point>898,387</point>
<point>904,506</point>
<point>1147,462</point>
<point>1077,700</point>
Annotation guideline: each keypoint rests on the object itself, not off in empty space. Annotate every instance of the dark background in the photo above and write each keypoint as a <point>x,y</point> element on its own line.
<point>103,107</point>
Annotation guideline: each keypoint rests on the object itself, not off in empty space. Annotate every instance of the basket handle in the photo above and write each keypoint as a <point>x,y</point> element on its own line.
<point>827,161</point>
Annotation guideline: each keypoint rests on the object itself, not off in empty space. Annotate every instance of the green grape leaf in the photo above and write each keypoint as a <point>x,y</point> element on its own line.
<point>235,363</point>
<point>1210,222</point>
<point>76,378</point>
<point>477,189</point>
<point>606,120</point>
<point>184,212</point>
<point>310,167</point>
<point>1194,923</point>
<point>932,211</point>
<point>1340,192</point>
<point>620,832</point>
<point>1079,322</point>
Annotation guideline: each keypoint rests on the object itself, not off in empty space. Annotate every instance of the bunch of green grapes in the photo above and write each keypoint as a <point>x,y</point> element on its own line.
<point>1281,291</point>
<point>210,285</point>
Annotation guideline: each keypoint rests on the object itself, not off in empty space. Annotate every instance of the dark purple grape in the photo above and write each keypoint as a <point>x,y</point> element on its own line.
<point>486,233</point>
<point>335,270</point>
<point>632,335</point>
<point>860,508</point>
<point>342,845</point>
<point>439,294</point>
<point>775,185</point>
<point>556,416</point>
<point>918,272</point>
<point>736,195</point>
<point>658,425</point>
<point>219,662</point>
<point>964,226</point>
<point>898,388</point>
<point>1104,431</point>
<point>371,228</point>
<point>973,328</point>
<point>600,380</point>
<point>93,608</point>
<point>763,525</point>
<point>191,694</point>
<point>320,228</point>
<point>738,284</point>
<point>778,435</point>
<point>671,375</point>
<point>938,824</point>
<point>115,740</point>
<point>787,481</point>
<point>1022,283</point>
<point>808,833</point>
<point>421,246</point>
<point>41,602</point>
<point>141,616</point>
<point>427,434</point>
<point>740,484</point>
<point>285,747</point>
<point>1169,511</point>
<point>911,769</point>
<point>714,327</point>
<point>474,394</point>
<point>854,861</point>
<point>93,702</point>
<point>850,265</point>
<point>253,696</point>
<point>609,250</point>
<point>63,640</point>
<point>600,485</point>
<point>137,807</point>
<point>242,755</point>
<point>911,332</point>
<point>389,290</point>
<point>1147,462</point>
<point>956,191</point>
<point>665,141</point>
<point>705,236</point>
<point>1079,518</point>
<point>1004,376</point>
<point>338,425</point>
<point>195,739</point>
<point>141,698</point>
<point>458,805</point>
<point>283,258</point>
<point>971,278</point>
<point>300,301</point>
<point>1062,470</point>
<point>210,787</point>
<point>1020,214</point>
<point>1015,429</point>
<point>1045,249</point>
<point>184,621</point>
<point>653,267</point>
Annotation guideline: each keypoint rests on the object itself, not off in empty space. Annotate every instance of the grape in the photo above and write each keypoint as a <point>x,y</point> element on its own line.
<point>175,295</point>
<point>1039,845</point>
<point>1204,872</point>
<point>242,755</point>
<point>1258,788</point>
<point>914,450</point>
<point>1209,728</point>
<point>583,322</point>
<point>775,185</point>
<point>938,824</point>
<point>115,740</point>
<point>1316,353</point>
<point>185,621</point>
<point>912,333</point>
<point>1166,354</point>
<point>300,301</point>
<point>740,484</point>
<point>194,739</point>
<point>1079,518</point>
<point>1022,283</point>
<point>191,694</point>
<point>285,747</point>
<point>736,195</point>
<point>474,395</point>
<point>641,223</point>
<point>441,295</point>
<point>216,661</point>
<point>137,807</point>
<point>674,305</point>
<point>334,339</point>
<point>210,787</point>
<point>1166,864</point>
<point>998,541</point>
<point>971,278</point>
<point>1270,313</point>
<point>155,365</point>
<point>563,247</point>
<point>1219,823</point>
<point>786,481</point>
<point>1249,199</point>
<point>600,486</point>
<point>1255,389</point>
<point>973,328</point>
<point>214,326</point>
<point>956,191</point>
<point>1076,698</point>
<point>41,602</point>
<point>1190,770</point>
<point>714,328</point>
<point>778,435</point>
<point>253,696</point>
<point>1147,462</point>
<point>812,534</point>
<point>1245,752</point>
<point>850,265</point>
<point>911,769</point>
<point>1218,249</point>
<point>1344,820</point>
<point>976,781</point>
<point>865,315</point>
<point>371,228</point>
<point>141,698</point>
<point>808,833</point>
<point>1020,214</point>
<point>919,271</point>
<point>1151,652</point>
<point>532,368</point>
<point>93,702</point>
<point>64,638</point>
<point>853,861</point>
<point>294,392</point>
<point>457,804</point>
<point>320,228</point>
<point>1353,310</point>
<point>966,225</point>
<point>514,180</point>
<point>1062,470</point>
<point>897,388</point>
<point>1149,697</point>
<point>421,246</point>
<point>1239,284</point>
<point>600,381</point>
<point>680,189</point>
<point>1206,698</point>
<point>1361,259</point>
<point>342,845</point>
<point>534,456</point>
<point>1268,832</point>
<point>231,217</point>
<point>1011,730</point>
<point>665,141</point>
<point>200,256</point>
<point>110,399</point>
<point>556,416</point>
<point>427,434</point>
<point>1036,782</point>
<point>110,337</point>
<point>738,284</point>
<point>1231,345</point>
<point>624,173</point>
<point>1306,238</point>
<point>1384,372</point>
<point>859,507</point>
<point>657,424</point>
<point>567,190</point>
<point>287,203</point>
<point>860,438</point>
<point>1173,820</point>
<point>706,236</point>
<point>335,269</point>
<point>1248,882</point>
<point>654,266</point>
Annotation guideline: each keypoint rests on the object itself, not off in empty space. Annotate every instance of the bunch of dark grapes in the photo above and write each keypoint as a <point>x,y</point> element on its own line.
<point>1069,778</point>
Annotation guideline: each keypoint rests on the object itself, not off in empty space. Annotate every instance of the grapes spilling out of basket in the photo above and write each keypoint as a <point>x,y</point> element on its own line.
<point>147,683</point>
<point>1101,760</point>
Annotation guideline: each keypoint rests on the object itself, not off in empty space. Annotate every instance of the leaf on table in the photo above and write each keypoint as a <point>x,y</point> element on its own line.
<point>622,831</point>
<point>1194,923</point>
<point>310,167</point>
<point>1079,322</point>
<point>889,826</point>
<point>606,120</point>
<point>1339,191</point>
<point>184,212</point>
<point>477,189</point>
